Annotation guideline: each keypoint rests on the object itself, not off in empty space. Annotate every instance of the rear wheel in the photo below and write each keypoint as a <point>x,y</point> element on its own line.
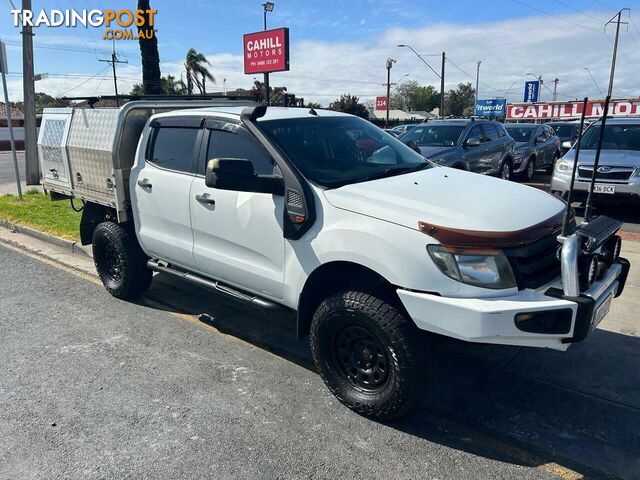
<point>530,169</point>
<point>120,262</point>
<point>549,169</point>
<point>368,353</point>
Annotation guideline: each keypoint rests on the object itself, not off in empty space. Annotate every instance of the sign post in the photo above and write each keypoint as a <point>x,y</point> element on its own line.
<point>265,52</point>
<point>4,69</point>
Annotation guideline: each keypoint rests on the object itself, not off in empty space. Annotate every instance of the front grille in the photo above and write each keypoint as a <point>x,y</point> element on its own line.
<point>620,174</point>
<point>536,264</point>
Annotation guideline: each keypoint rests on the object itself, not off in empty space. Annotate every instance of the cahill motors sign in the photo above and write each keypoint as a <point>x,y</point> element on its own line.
<point>567,110</point>
<point>266,51</point>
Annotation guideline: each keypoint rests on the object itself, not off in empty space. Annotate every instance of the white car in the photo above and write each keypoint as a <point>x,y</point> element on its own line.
<point>325,214</point>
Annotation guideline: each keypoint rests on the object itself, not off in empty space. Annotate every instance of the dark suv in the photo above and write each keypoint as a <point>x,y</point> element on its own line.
<point>480,146</point>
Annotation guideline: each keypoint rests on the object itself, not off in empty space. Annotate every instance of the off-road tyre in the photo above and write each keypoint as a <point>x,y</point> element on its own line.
<point>398,346</point>
<point>120,262</point>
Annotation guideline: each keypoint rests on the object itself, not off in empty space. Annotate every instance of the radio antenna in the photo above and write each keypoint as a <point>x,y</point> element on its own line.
<point>587,210</point>
<point>567,210</point>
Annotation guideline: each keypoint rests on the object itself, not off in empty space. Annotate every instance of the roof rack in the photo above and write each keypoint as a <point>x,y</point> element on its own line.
<point>92,100</point>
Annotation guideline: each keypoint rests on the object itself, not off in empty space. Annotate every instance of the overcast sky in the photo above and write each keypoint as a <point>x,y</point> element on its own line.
<point>340,46</point>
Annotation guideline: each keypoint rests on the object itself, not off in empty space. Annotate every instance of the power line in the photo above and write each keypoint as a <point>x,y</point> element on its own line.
<point>82,83</point>
<point>599,20</point>
<point>544,12</point>
<point>493,89</point>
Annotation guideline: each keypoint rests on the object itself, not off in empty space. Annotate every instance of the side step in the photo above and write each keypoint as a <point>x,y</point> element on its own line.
<point>214,284</point>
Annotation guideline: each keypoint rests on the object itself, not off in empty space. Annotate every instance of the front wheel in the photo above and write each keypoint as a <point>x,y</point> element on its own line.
<point>549,169</point>
<point>120,262</point>
<point>368,353</point>
<point>530,169</point>
<point>505,170</point>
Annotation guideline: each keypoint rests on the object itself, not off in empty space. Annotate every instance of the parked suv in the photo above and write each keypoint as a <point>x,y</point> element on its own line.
<point>480,146</point>
<point>537,146</point>
<point>618,175</point>
<point>566,132</point>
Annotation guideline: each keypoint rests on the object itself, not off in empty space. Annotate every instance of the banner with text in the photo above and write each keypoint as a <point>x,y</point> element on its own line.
<point>494,107</point>
<point>568,110</point>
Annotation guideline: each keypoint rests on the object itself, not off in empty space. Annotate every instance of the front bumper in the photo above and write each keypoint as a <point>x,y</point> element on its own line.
<point>625,191</point>
<point>492,320</point>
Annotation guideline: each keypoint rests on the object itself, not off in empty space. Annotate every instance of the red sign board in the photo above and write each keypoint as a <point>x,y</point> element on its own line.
<point>266,51</point>
<point>381,103</point>
<point>561,110</point>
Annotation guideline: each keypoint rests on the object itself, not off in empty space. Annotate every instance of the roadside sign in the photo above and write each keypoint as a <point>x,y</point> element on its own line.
<point>266,51</point>
<point>494,107</point>
<point>381,103</point>
<point>569,110</point>
<point>531,90</point>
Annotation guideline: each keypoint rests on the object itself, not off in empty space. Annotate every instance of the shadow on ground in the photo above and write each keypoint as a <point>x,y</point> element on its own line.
<point>580,408</point>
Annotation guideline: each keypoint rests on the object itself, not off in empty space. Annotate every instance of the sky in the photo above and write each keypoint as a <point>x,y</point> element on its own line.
<point>341,46</point>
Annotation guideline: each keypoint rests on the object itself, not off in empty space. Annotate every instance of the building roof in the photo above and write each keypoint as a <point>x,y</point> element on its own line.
<point>15,112</point>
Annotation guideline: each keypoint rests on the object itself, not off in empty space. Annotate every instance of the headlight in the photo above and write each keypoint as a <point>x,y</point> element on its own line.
<point>479,267</point>
<point>564,166</point>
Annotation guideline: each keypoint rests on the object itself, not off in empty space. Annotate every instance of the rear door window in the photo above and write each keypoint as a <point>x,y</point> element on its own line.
<point>173,148</point>
<point>490,132</point>
<point>224,144</point>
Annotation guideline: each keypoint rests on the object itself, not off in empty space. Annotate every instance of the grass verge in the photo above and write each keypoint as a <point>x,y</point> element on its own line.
<point>39,212</point>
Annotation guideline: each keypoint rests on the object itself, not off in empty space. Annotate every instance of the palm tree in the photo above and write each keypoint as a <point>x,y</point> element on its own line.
<point>149,53</point>
<point>196,66</point>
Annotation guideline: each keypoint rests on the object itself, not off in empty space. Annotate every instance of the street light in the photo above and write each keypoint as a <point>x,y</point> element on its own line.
<point>267,7</point>
<point>441,76</point>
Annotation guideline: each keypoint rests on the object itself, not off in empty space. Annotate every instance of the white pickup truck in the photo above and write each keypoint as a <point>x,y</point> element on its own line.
<point>327,215</point>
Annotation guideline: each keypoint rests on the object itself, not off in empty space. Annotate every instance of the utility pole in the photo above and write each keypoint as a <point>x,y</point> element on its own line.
<point>555,89</point>
<point>390,62</point>
<point>477,81</point>
<point>615,46</point>
<point>32,167</point>
<point>444,58</point>
<point>112,62</point>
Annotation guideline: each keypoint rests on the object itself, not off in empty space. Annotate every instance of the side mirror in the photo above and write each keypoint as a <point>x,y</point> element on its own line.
<point>567,144</point>
<point>472,142</point>
<point>238,174</point>
<point>413,145</point>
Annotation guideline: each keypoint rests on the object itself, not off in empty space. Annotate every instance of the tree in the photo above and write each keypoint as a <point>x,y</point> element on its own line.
<point>44,100</point>
<point>412,96</point>
<point>348,103</point>
<point>197,71</point>
<point>313,105</point>
<point>459,102</point>
<point>149,54</point>
<point>168,86</point>
<point>276,94</point>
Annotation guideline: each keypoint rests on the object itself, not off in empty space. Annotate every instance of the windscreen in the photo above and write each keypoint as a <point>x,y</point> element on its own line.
<point>563,130</point>
<point>434,135</point>
<point>520,134</point>
<point>335,151</point>
<point>616,137</point>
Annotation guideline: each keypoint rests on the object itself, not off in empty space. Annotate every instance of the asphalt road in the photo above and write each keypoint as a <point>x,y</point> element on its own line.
<point>7,172</point>
<point>93,387</point>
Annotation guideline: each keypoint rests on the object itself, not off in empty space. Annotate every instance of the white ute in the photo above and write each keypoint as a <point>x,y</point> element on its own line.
<point>327,215</point>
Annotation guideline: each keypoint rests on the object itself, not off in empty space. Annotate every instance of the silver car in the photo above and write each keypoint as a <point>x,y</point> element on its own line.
<point>618,174</point>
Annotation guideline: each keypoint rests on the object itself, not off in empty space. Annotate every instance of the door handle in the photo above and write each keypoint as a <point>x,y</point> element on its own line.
<point>144,183</point>
<point>205,199</point>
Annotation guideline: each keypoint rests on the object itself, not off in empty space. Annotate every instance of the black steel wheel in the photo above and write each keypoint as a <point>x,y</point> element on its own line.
<point>369,354</point>
<point>120,262</point>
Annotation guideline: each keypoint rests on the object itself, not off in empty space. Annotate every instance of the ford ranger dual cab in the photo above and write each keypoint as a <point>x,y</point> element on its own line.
<point>285,208</point>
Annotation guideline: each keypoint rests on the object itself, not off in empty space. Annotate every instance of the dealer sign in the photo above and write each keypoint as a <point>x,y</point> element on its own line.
<point>266,51</point>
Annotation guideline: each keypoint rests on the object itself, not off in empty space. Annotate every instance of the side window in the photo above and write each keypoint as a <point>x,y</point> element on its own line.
<point>501,131</point>
<point>173,148</point>
<point>223,144</point>
<point>490,132</point>
<point>476,132</point>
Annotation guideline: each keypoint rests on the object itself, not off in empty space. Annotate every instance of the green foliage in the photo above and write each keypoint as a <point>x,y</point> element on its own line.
<point>39,212</point>
<point>196,65</point>
<point>276,94</point>
<point>412,96</point>
<point>460,102</point>
<point>313,105</point>
<point>169,86</point>
<point>44,100</point>
<point>348,103</point>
